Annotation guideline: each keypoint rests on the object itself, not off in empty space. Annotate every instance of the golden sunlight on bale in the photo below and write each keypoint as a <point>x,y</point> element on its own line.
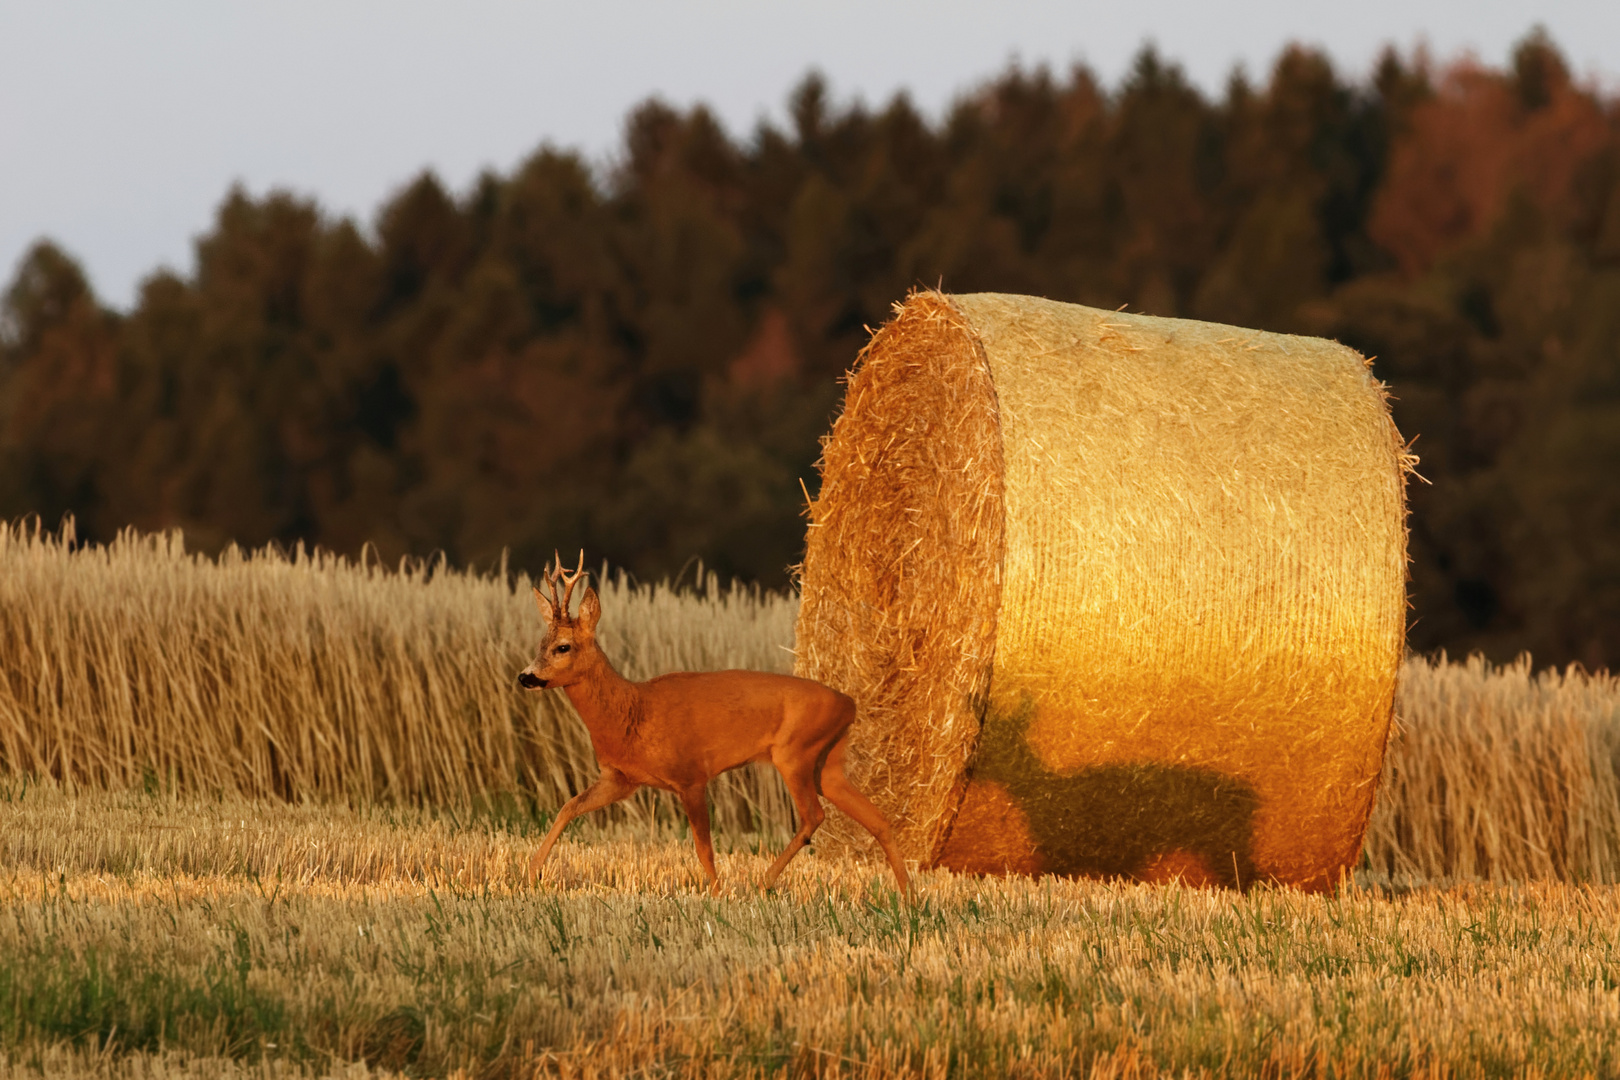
<point>1117,595</point>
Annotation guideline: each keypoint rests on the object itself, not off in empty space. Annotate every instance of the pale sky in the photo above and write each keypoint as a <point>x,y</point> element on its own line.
<point>122,124</point>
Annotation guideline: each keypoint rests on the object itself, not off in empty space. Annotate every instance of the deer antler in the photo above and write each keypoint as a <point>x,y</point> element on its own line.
<point>558,576</point>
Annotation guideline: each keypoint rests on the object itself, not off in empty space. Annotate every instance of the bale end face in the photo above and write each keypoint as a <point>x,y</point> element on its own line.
<point>912,470</point>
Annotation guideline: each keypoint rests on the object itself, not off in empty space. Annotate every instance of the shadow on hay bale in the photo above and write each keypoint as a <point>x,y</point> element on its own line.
<point>1115,594</point>
<point>1147,822</point>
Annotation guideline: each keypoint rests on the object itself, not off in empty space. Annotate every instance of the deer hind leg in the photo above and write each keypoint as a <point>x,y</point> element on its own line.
<point>610,787</point>
<point>696,802</point>
<point>799,773</point>
<point>842,794</point>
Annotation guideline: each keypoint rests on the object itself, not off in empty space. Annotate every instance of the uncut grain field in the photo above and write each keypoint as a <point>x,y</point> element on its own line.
<point>266,815</point>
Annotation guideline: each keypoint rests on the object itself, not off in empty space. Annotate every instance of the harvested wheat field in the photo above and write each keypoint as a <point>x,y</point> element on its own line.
<point>147,935</point>
<point>234,863</point>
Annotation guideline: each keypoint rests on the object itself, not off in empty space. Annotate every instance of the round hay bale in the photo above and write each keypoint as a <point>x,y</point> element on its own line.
<point>1116,595</point>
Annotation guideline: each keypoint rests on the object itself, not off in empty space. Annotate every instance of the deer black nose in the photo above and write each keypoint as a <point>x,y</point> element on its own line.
<point>530,682</point>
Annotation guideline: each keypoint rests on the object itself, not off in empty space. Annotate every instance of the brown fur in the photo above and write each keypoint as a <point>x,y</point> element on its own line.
<point>679,731</point>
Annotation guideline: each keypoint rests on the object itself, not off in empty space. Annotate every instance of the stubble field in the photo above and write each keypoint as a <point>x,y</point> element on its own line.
<point>268,817</point>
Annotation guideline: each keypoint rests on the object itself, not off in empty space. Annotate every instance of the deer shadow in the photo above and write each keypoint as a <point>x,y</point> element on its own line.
<point>1143,821</point>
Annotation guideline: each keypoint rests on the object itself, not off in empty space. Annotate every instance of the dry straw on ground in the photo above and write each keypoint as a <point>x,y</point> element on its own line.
<point>1164,562</point>
<point>154,936</point>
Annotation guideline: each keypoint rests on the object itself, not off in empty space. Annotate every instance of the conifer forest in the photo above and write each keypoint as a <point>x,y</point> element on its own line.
<point>638,356</point>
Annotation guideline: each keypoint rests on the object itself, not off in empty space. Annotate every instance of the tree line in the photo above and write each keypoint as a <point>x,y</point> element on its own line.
<point>640,358</point>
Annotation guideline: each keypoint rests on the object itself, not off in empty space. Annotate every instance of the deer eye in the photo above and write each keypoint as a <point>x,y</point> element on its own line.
<point>562,648</point>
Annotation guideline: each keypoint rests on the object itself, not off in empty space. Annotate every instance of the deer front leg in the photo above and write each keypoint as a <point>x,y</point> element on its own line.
<point>610,787</point>
<point>696,801</point>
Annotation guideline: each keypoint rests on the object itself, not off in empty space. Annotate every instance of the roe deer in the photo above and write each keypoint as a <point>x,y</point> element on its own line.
<point>681,730</point>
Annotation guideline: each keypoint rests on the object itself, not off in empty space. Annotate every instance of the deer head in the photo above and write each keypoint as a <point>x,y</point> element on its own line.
<point>568,649</point>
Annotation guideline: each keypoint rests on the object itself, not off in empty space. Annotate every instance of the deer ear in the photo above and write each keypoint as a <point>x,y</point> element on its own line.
<point>590,609</point>
<point>547,612</point>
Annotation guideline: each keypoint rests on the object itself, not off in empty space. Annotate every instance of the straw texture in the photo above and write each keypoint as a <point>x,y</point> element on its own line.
<point>1173,576</point>
<point>901,579</point>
